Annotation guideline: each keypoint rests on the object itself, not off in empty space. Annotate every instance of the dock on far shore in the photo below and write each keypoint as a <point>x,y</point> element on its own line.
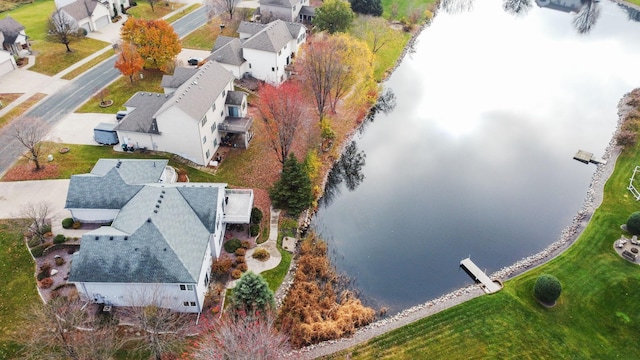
<point>587,157</point>
<point>478,275</point>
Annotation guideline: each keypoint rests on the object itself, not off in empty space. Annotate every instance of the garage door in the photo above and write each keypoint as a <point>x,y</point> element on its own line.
<point>102,22</point>
<point>6,66</point>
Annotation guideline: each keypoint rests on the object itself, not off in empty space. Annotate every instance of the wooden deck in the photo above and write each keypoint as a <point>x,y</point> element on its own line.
<point>587,157</point>
<point>478,275</point>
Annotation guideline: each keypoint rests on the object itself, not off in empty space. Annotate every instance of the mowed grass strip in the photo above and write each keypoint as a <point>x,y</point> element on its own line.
<point>88,65</point>
<point>182,13</point>
<point>18,287</point>
<point>595,318</point>
<point>160,9</point>
<point>121,90</point>
<point>20,109</point>
<point>53,57</point>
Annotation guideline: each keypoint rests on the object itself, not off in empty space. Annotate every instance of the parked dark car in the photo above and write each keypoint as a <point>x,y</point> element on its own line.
<point>121,114</point>
<point>194,61</point>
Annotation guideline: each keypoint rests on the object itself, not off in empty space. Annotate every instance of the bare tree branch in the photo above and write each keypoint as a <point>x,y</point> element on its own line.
<point>30,132</point>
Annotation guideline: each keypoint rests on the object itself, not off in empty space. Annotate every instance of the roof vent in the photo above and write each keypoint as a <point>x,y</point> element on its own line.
<point>155,211</point>
<point>148,220</point>
<point>97,237</point>
<point>126,238</point>
<point>162,196</point>
<point>195,82</point>
<point>136,249</point>
<point>110,237</point>
<point>165,249</point>
<point>157,207</point>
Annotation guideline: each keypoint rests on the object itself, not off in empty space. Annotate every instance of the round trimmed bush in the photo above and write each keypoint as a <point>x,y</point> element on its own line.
<point>46,283</point>
<point>67,223</point>
<point>240,259</point>
<point>261,254</point>
<point>246,244</point>
<point>232,245</point>
<point>254,230</point>
<point>243,267</point>
<point>236,274</point>
<point>59,239</point>
<point>633,223</point>
<point>547,289</point>
<point>241,252</point>
<point>256,215</point>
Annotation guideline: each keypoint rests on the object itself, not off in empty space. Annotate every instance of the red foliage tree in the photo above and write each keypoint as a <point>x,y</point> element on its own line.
<point>281,109</point>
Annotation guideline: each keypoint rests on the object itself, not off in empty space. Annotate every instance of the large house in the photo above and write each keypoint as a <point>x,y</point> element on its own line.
<point>198,112</point>
<point>90,15</point>
<point>162,238</point>
<point>7,62</point>
<point>286,10</point>
<point>14,37</point>
<point>264,51</point>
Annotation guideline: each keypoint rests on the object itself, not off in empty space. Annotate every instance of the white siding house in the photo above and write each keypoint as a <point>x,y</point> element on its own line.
<point>187,119</point>
<point>263,51</point>
<point>14,37</point>
<point>161,243</point>
<point>91,15</point>
<point>286,10</point>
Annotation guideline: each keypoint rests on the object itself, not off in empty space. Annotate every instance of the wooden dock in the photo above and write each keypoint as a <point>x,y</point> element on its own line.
<point>479,276</point>
<point>587,157</point>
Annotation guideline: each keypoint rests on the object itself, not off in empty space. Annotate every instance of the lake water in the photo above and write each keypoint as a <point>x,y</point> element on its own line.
<point>476,158</point>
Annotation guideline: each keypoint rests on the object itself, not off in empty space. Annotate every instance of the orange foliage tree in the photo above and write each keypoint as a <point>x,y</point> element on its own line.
<point>156,41</point>
<point>281,109</point>
<point>129,61</point>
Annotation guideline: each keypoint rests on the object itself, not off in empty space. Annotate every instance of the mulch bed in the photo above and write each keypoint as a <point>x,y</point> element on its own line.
<point>27,172</point>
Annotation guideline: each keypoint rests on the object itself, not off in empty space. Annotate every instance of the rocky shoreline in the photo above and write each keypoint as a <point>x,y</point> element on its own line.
<point>567,237</point>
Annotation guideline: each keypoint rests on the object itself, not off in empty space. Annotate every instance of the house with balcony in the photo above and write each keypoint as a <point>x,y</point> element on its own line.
<point>162,237</point>
<point>264,51</point>
<point>198,112</point>
<point>286,10</point>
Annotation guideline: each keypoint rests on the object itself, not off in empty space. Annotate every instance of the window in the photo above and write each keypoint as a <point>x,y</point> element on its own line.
<point>193,303</point>
<point>215,142</point>
<point>183,287</point>
<point>213,107</point>
<point>222,113</point>
<point>189,287</point>
<point>185,303</point>
<point>273,69</point>
<point>224,93</point>
<point>249,65</point>
<point>244,105</point>
<point>280,52</point>
<point>204,139</point>
<point>204,120</point>
<point>206,279</point>
<point>208,154</point>
<point>214,126</point>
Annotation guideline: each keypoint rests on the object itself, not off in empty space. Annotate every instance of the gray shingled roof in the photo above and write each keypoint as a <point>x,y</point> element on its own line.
<point>142,119</point>
<point>169,227</point>
<point>196,95</point>
<point>235,97</point>
<point>10,29</point>
<point>132,171</point>
<point>283,3</point>
<point>80,9</point>
<point>295,28</point>
<point>227,50</point>
<point>180,75</point>
<point>250,27</point>
<point>272,38</point>
<point>110,191</point>
<point>308,10</point>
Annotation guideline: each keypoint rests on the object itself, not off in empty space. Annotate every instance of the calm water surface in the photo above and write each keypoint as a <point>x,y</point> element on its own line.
<point>476,158</point>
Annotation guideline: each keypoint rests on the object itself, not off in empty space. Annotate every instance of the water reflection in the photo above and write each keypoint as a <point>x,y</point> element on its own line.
<point>348,170</point>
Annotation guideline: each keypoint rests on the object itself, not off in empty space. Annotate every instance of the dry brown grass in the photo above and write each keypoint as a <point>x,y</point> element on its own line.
<point>314,311</point>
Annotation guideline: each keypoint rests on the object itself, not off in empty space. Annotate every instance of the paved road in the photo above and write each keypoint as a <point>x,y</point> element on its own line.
<point>53,108</point>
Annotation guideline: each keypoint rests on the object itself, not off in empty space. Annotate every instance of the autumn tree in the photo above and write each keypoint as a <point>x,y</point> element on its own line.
<point>63,29</point>
<point>129,61</point>
<point>63,329</point>
<point>330,65</point>
<point>155,40</point>
<point>162,330</point>
<point>281,109</point>
<point>334,16</point>
<point>240,336</point>
<point>375,31</point>
<point>30,131</point>
<point>293,190</point>
<point>367,7</point>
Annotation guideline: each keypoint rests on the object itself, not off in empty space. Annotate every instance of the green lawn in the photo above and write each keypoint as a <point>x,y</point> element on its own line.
<point>596,317</point>
<point>403,9</point>
<point>160,9</point>
<point>18,287</point>
<point>51,57</point>
<point>121,90</point>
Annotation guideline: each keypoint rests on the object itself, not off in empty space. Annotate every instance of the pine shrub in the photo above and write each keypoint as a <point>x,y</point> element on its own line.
<point>67,223</point>
<point>547,289</point>
<point>59,239</point>
<point>633,223</point>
